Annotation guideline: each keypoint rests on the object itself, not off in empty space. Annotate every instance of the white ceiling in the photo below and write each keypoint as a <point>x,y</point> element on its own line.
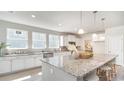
<point>70,20</point>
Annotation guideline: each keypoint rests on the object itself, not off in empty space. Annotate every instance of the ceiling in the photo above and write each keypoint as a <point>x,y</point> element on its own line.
<point>66,21</point>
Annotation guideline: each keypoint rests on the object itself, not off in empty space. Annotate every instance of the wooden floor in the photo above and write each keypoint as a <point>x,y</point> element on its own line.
<point>23,75</point>
<point>36,75</point>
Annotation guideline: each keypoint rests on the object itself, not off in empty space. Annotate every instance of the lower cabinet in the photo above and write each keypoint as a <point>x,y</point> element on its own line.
<point>37,61</point>
<point>18,64</point>
<point>51,73</point>
<point>29,63</point>
<point>5,67</point>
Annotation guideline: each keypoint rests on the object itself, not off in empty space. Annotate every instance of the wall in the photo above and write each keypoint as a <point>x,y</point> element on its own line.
<point>98,47</point>
<point>5,24</point>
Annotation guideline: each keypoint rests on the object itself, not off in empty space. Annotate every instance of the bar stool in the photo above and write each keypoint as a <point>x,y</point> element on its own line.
<point>114,69</point>
<point>104,73</point>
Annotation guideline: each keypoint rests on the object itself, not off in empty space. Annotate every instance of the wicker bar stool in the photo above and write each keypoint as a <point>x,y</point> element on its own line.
<point>114,69</point>
<point>104,73</point>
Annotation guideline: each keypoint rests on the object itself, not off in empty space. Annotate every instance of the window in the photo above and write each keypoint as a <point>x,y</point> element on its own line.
<point>17,39</point>
<point>54,41</point>
<point>61,40</point>
<point>38,40</point>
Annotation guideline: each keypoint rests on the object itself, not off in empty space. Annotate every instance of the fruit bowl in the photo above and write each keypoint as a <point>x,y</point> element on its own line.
<point>85,55</point>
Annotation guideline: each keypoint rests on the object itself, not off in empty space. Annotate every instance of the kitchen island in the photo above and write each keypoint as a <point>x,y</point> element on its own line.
<point>68,68</point>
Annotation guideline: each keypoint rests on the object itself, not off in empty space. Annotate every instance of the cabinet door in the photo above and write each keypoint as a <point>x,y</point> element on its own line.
<point>5,66</point>
<point>37,61</point>
<point>71,38</point>
<point>48,72</point>
<point>51,73</point>
<point>29,63</point>
<point>115,47</point>
<point>17,64</point>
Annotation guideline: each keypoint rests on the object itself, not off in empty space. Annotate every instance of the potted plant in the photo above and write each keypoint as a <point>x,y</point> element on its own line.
<point>2,46</point>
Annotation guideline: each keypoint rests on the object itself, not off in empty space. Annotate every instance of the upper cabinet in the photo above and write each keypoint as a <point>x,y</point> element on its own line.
<point>72,38</point>
<point>98,37</point>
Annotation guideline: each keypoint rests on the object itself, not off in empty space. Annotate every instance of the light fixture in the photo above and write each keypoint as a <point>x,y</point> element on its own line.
<point>103,19</point>
<point>33,16</point>
<point>11,12</point>
<point>81,31</point>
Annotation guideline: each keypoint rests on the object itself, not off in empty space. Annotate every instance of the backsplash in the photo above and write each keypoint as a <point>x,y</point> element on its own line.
<point>29,51</point>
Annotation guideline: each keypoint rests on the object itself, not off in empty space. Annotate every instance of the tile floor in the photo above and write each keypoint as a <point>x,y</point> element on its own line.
<point>36,75</point>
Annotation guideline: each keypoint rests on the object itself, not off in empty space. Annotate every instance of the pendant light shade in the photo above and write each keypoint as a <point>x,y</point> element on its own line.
<point>81,31</point>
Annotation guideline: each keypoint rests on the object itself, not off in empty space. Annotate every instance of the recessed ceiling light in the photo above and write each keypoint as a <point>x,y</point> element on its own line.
<point>33,16</point>
<point>60,24</point>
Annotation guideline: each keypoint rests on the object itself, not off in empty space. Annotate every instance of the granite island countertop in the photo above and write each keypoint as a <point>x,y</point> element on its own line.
<point>78,67</point>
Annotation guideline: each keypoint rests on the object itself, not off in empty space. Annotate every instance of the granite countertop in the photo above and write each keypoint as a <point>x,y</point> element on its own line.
<point>78,67</point>
<point>15,55</point>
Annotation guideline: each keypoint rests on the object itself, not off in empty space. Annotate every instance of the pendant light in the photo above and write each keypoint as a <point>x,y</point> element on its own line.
<point>103,19</point>
<point>81,31</point>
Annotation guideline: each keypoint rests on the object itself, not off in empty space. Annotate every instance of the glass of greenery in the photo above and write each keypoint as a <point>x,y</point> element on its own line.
<point>2,46</point>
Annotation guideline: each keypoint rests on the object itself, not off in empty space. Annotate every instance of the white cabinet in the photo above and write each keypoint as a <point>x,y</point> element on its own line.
<point>37,61</point>
<point>79,42</point>
<point>13,64</point>
<point>18,64</point>
<point>5,67</point>
<point>25,63</point>
<point>65,41</point>
<point>98,37</point>
<point>115,46</point>
<point>115,43</point>
<point>71,38</point>
<point>29,63</point>
<point>51,73</point>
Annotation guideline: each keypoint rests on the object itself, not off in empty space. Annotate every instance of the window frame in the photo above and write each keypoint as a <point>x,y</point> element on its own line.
<point>39,40</point>
<point>58,42</point>
<point>27,33</point>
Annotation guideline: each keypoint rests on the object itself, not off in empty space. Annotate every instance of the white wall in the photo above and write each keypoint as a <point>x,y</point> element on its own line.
<point>98,47</point>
